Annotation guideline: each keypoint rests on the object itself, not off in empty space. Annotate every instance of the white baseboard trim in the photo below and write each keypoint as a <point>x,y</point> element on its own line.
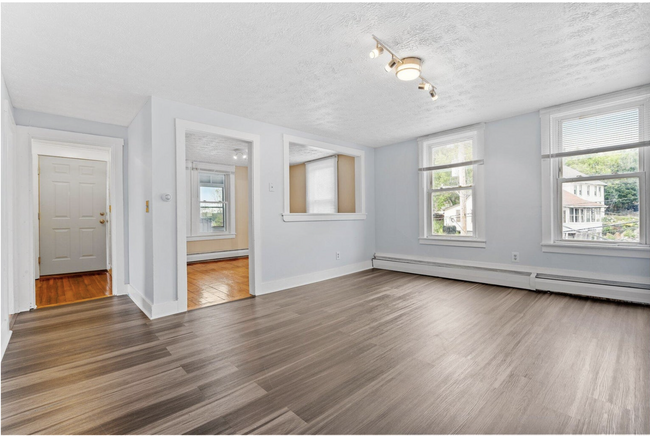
<point>140,300</point>
<point>216,255</point>
<point>624,288</point>
<point>153,311</point>
<point>317,276</point>
<point>5,343</point>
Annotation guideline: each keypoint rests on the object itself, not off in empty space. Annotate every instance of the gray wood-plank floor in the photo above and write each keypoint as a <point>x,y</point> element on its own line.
<point>372,352</point>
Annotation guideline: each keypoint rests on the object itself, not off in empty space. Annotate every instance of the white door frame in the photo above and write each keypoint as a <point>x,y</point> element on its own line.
<point>81,146</point>
<point>254,222</point>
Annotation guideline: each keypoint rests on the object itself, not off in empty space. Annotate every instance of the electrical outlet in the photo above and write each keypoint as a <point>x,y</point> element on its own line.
<point>271,187</point>
<point>515,256</point>
<point>338,255</point>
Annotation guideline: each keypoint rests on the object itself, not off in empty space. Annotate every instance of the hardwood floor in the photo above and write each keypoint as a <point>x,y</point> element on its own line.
<point>373,352</point>
<point>72,288</point>
<point>216,282</point>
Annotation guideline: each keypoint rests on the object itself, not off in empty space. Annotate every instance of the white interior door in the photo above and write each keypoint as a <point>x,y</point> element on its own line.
<point>73,215</point>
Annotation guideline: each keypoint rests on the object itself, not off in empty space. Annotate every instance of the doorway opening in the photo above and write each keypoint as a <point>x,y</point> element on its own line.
<point>216,208</point>
<point>76,223</point>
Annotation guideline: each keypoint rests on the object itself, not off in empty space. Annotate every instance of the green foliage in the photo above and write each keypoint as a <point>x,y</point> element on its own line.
<point>622,195</point>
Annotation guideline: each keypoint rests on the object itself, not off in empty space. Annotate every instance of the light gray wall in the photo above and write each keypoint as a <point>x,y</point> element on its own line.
<point>140,222</point>
<point>513,204</point>
<point>288,248</point>
<point>6,263</point>
<point>42,120</point>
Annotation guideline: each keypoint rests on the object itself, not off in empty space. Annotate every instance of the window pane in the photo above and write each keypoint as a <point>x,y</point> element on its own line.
<point>609,213</point>
<point>461,176</point>
<point>212,218</point>
<point>452,153</point>
<point>204,178</point>
<point>613,162</point>
<point>211,194</point>
<point>321,184</point>
<point>614,128</point>
<point>452,213</point>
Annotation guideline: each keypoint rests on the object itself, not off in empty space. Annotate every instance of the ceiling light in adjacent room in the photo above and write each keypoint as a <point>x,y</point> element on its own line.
<point>409,69</point>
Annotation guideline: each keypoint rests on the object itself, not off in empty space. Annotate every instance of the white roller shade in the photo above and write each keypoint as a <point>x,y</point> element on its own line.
<point>322,189</point>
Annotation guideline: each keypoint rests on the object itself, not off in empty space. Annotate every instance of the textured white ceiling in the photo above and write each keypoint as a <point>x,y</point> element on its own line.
<point>299,153</point>
<point>205,147</point>
<point>306,66</point>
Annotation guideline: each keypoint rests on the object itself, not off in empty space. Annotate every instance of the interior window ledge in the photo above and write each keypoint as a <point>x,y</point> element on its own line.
<point>210,237</point>
<point>465,242</point>
<point>290,217</point>
<point>640,251</point>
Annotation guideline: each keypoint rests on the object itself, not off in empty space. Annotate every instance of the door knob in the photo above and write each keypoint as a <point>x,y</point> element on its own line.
<point>101,221</point>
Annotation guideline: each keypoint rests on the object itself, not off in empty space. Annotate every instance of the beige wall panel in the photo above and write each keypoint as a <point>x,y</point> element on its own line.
<point>297,189</point>
<point>346,186</point>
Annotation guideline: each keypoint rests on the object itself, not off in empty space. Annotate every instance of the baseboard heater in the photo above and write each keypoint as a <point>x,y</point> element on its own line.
<point>610,289</point>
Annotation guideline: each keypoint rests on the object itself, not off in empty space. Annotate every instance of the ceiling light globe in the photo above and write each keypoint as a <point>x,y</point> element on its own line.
<point>409,69</point>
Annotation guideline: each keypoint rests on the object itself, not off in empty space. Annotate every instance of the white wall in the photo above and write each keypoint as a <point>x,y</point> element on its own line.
<point>289,249</point>
<point>139,190</point>
<point>513,204</point>
<point>6,256</point>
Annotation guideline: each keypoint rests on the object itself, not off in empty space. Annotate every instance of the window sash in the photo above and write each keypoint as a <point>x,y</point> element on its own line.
<point>429,230</point>
<point>559,228</point>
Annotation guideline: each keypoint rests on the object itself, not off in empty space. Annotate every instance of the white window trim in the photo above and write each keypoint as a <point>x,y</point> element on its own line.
<point>476,133</point>
<point>552,241</point>
<point>229,171</point>
<point>359,182</point>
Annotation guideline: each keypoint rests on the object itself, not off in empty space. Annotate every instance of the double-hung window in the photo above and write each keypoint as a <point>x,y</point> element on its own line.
<point>452,201</point>
<point>601,145</point>
<point>210,204</point>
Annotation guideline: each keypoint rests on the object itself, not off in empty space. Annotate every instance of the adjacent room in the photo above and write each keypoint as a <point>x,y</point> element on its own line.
<point>216,219</point>
<point>325,218</point>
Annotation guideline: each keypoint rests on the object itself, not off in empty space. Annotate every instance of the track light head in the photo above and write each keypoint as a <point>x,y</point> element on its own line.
<point>390,65</point>
<point>433,94</point>
<point>376,52</point>
<point>426,86</point>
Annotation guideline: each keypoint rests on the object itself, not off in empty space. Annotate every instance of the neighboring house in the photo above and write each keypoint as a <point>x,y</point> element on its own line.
<point>583,207</point>
<point>454,217</point>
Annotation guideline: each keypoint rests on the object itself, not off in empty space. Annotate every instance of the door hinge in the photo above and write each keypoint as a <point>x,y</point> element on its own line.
<point>39,260</point>
<point>109,208</point>
<point>39,215</point>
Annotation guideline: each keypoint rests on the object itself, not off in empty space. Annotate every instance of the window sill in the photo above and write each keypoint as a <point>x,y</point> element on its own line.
<point>640,251</point>
<point>457,242</point>
<point>210,237</point>
<point>290,217</point>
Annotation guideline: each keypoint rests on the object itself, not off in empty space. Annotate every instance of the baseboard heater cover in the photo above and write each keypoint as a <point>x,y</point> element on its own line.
<point>613,289</point>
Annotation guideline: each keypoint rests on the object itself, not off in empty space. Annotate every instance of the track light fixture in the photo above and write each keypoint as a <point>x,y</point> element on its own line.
<point>409,68</point>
